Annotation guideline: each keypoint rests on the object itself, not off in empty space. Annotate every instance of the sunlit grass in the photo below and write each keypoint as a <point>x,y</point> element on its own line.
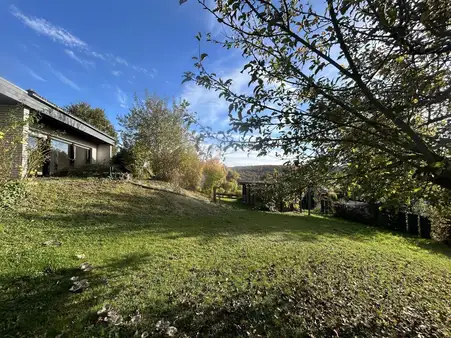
<point>209,269</point>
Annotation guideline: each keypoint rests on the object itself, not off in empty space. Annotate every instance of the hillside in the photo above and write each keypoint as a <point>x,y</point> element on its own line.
<point>256,172</point>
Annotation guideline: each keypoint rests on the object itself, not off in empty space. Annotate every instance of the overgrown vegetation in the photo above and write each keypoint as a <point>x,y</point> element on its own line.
<point>12,138</point>
<point>12,193</point>
<point>12,141</point>
<point>158,143</point>
<point>230,183</point>
<point>214,174</point>
<point>98,170</point>
<point>160,259</point>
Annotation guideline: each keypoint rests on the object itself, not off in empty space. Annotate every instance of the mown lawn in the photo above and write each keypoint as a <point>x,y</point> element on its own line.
<point>209,270</point>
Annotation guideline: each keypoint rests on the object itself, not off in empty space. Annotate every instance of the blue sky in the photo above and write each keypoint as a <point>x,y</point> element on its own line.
<point>103,52</point>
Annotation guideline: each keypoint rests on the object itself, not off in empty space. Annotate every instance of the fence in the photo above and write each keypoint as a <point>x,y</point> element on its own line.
<point>389,219</point>
<point>218,195</point>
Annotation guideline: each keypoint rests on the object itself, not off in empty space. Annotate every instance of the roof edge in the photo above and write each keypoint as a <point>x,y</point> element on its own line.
<point>41,99</point>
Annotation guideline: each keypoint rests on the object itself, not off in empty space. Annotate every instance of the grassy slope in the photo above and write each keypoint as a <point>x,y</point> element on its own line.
<point>208,269</point>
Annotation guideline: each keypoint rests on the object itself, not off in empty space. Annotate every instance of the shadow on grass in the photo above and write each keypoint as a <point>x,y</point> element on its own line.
<point>42,305</point>
<point>300,306</point>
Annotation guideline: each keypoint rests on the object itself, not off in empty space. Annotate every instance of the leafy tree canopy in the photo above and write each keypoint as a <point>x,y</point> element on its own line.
<point>214,174</point>
<point>350,82</point>
<point>159,139</point>
<point>94,116</point>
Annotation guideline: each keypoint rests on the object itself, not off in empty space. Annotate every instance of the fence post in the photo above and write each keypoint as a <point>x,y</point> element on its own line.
<point>214,194</point>
<point>300,201</point>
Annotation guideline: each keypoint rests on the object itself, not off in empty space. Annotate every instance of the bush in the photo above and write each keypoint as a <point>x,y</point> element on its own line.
<point>11,139</point>
<point>88,170</point>
<point>214,174</point>
<point>123,160</point>
<point>356,213</point>
<point>12,193</point>
<point>441,223</point>
<point>189,173</point>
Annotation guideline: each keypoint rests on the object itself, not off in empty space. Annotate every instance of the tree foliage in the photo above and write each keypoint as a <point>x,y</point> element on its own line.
<point>94,116</point>
<point>230,184</point>
<point>158,141</point>
<point>350,82</point>
<point>277,190</point>
<point>214,174</point>
<point>14,141</point>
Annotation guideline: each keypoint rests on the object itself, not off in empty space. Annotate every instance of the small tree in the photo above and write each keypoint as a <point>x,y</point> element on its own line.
<point>214,174</point>
<point>190,170</point>
<point>159,141</point>
<point>230,184</point>
<point>277,190</point>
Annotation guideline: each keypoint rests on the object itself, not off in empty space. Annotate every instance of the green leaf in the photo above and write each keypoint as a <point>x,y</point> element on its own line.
<point>438,165</point>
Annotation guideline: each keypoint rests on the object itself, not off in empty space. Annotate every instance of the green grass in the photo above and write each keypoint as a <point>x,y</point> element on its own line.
<point>210,270</point>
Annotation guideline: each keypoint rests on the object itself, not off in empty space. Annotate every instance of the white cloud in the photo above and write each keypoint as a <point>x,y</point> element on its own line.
<point>99,56</point>
<point>85,63</point>
<point>60,35</point>
<point>46,28</point>
<point>116,72</point>
<point>212,24</point>
<point>206,103</point>
<point>121,61</point>
<point>121,97</point>
<point>64,79</point>
<point>34,75</point>
<point>145,71</point>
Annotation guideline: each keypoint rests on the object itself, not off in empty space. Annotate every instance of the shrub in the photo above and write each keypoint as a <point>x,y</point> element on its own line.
<point>214,174</point>
<point>441,223</point>
<point>88,170</point>
<point>35,158</point>
<point>230,186</point>
<point>359,213</point>
<point>11,141</point>
<point>123,160</point>
<point>12,193</point>
<point>189,173</point>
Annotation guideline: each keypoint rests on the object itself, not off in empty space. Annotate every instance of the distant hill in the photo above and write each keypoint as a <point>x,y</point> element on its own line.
<point>255,172</point>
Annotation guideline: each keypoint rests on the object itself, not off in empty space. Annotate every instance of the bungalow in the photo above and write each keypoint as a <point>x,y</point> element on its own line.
<point>70,141</point>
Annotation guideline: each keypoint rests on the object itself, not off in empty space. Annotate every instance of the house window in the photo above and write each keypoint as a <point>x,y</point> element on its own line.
<point>59,156</point>
<point>82,156</point>
<point>32,142</point>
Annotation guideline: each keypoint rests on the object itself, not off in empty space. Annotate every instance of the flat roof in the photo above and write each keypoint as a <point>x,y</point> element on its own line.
<point>38,103</point>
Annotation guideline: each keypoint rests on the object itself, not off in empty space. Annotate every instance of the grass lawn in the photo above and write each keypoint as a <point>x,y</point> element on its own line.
<point>209,270</point>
